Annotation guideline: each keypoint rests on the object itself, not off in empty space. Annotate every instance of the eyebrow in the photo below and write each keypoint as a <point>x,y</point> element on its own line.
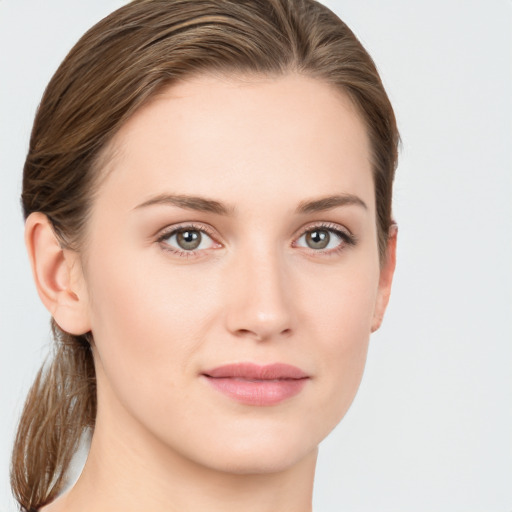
<point>203,204</point>
<point>330,202</point>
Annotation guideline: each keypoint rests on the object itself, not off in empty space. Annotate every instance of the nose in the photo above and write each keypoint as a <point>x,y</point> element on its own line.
<point>260,300</point>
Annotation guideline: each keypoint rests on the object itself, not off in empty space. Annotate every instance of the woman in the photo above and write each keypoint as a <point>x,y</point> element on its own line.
<point>207,198</point>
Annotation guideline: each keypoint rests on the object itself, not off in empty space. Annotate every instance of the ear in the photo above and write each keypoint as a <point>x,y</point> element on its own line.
<point>386,278</point>
<point>58,276</point>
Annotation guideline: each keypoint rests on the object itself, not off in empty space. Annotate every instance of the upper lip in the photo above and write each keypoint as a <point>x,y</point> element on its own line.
<point>251,371</point>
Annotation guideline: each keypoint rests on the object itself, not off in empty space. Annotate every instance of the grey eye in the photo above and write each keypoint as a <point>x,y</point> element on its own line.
<point>189,239</point>
<point>323,238</point>
<point>318,238</point>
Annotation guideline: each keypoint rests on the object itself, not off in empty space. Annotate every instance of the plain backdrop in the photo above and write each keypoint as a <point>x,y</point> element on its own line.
<point>431,427</point>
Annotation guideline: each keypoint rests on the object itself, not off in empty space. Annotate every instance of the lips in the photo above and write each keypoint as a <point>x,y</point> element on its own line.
<point>253,384</point>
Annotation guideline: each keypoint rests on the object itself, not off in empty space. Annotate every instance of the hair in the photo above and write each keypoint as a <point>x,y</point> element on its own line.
<point>113,70</point>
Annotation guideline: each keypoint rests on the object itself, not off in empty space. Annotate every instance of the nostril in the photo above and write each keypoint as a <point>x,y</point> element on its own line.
<point>262,334</point>
<point>245,332</point>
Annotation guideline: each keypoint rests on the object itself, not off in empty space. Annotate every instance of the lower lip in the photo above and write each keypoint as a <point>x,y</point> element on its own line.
<point>257,392</point>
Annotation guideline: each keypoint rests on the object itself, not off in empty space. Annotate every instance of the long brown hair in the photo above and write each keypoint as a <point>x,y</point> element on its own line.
<point>114,69</point>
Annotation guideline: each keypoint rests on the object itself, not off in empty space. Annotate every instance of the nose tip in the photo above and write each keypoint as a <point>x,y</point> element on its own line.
<point>260,307</point>
<point>263,327</point>
<point>260,327</point>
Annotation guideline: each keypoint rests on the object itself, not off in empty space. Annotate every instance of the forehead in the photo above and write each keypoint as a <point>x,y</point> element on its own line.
<point>242,138</point>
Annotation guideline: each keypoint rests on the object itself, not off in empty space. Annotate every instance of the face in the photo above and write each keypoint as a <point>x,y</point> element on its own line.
<point>232,271</point>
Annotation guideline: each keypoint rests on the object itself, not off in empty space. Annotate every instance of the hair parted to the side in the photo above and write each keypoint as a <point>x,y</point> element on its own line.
<point>114,69</point>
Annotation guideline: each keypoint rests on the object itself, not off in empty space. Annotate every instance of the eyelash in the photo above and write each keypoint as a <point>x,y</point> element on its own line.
<point>347,239</point>
<point>175,230</point>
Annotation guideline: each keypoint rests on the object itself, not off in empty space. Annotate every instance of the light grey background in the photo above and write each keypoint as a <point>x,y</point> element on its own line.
<point>431,428</point>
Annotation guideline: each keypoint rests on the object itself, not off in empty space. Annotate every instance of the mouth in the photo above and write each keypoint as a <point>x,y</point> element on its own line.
<point>253,384</point>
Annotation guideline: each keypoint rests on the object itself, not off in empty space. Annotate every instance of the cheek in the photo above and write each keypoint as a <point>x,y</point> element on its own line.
<point>147,321</point>
<point>343,318</point>
<point>342,303</point>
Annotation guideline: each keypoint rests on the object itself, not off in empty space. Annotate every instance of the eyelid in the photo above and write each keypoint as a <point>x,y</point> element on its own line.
<point>345,234</point>
<point>332,226</point>
<point>169,231</point>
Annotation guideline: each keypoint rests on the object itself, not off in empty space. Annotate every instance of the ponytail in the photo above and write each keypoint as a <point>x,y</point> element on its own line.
<point>60,405</point>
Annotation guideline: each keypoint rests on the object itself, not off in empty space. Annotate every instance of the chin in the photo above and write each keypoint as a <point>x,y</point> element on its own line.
<point>251,459</point>
<point>261,449</point>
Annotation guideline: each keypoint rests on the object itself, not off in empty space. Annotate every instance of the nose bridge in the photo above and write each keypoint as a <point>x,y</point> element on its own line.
<point>260,305</point>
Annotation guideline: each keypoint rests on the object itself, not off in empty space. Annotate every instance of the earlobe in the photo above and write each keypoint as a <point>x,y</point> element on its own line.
<point>386,278</point>
<point>57,275</point>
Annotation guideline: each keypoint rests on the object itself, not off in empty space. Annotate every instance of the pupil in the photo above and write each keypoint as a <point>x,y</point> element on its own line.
<point>189,240</point>
<point>318,239</point>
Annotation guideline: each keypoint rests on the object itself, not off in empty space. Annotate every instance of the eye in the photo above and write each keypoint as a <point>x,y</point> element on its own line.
<point>325,239</point>
<point>187,239</point>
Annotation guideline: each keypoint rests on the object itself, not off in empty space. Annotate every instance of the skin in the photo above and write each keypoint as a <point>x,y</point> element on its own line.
<point>254,291</point>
